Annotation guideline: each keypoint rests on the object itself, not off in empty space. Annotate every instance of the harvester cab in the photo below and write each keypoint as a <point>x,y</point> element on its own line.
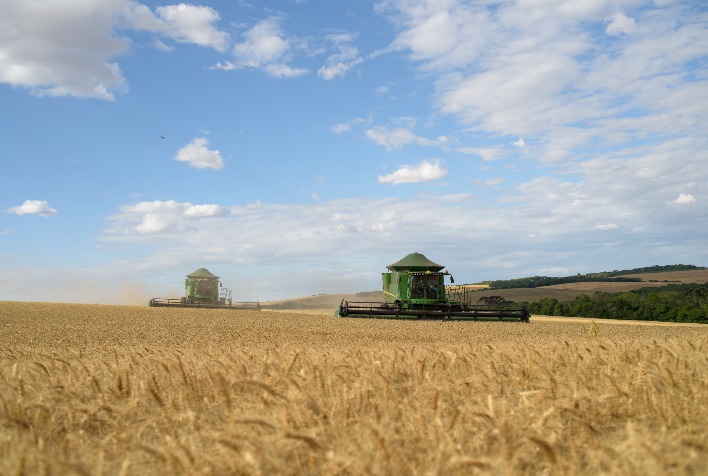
<point>414,287</point>
<point>202,287</point>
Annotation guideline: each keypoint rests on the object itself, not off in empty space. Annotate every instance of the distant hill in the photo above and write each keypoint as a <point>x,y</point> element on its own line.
<point>569,291</point>
<point>625,275</point>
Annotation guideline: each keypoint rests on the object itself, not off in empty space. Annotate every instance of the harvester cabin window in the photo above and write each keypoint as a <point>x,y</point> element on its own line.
<point>202,287</point>
<point>425,287</point>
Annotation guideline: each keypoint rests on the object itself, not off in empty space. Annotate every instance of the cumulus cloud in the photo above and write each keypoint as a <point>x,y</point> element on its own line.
<point>34,207</point>
<point>193,24</point>
<point>263,43</point>
<point>684,199</point>
<point>425,171</point>
<point>199,156</point>
<point>57,48</point>
<point>162,216</point>
<point>619,24</point>
<point>265,47</point>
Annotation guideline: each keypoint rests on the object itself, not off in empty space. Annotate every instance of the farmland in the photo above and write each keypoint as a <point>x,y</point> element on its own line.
<point>97,389</point>
<point>569,291</point>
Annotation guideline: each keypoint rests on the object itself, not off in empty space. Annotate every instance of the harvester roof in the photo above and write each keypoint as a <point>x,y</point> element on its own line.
<point>202,273</point>
<point>415,262</point>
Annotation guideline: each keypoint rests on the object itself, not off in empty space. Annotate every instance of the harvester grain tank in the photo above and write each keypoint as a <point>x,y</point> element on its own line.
<point>204,290</point>
<point>414,288</point>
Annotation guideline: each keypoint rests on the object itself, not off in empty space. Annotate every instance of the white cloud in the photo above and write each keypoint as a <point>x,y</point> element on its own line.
<point>444,35</point>
<point>263,43</point>
<point>621,24</point>
<point>163,216</point>
<point>606,226</point>
<point>346,57</point>
<point>425,171</point>
<point>399,137</point>
<point>200,211</point>
<point>333,70</point>
<point>199,156</point>
<point>194,24</point>
<point>283,71</point>
<point>161,46</point>
<point>34,207</point>
<point>276,70</point>
<point>391,139</point>
<point>58,48</point>
<point>684,199</point>
<point>265,47</point>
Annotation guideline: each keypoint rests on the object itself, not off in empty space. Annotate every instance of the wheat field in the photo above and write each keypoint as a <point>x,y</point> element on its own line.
<point>119,390</point>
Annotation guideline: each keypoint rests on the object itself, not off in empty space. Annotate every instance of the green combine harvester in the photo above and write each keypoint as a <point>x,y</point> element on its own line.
<point>204,290</point>
<point>414,288</point>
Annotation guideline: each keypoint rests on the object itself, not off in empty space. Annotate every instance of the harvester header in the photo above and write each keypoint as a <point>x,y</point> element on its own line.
<point>414,287</point>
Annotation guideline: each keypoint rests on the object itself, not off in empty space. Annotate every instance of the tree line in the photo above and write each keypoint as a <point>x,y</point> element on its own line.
<point>605,276</point>
<point>671,303</point>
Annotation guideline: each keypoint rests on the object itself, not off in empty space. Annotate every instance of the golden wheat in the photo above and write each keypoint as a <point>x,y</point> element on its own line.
<point>122,390</point>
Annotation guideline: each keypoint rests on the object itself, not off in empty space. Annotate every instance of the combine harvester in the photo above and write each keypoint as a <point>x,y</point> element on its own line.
<point>203,290</point>
<point>414,288</point>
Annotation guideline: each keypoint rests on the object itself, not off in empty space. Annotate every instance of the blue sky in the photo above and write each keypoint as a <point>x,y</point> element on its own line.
<point>298,147</point>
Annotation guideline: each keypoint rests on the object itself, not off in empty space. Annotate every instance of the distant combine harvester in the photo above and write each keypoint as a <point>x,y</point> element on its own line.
<point>204,290</point>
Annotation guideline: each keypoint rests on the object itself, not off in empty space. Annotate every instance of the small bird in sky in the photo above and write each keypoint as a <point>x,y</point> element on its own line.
<point>163,137</point>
